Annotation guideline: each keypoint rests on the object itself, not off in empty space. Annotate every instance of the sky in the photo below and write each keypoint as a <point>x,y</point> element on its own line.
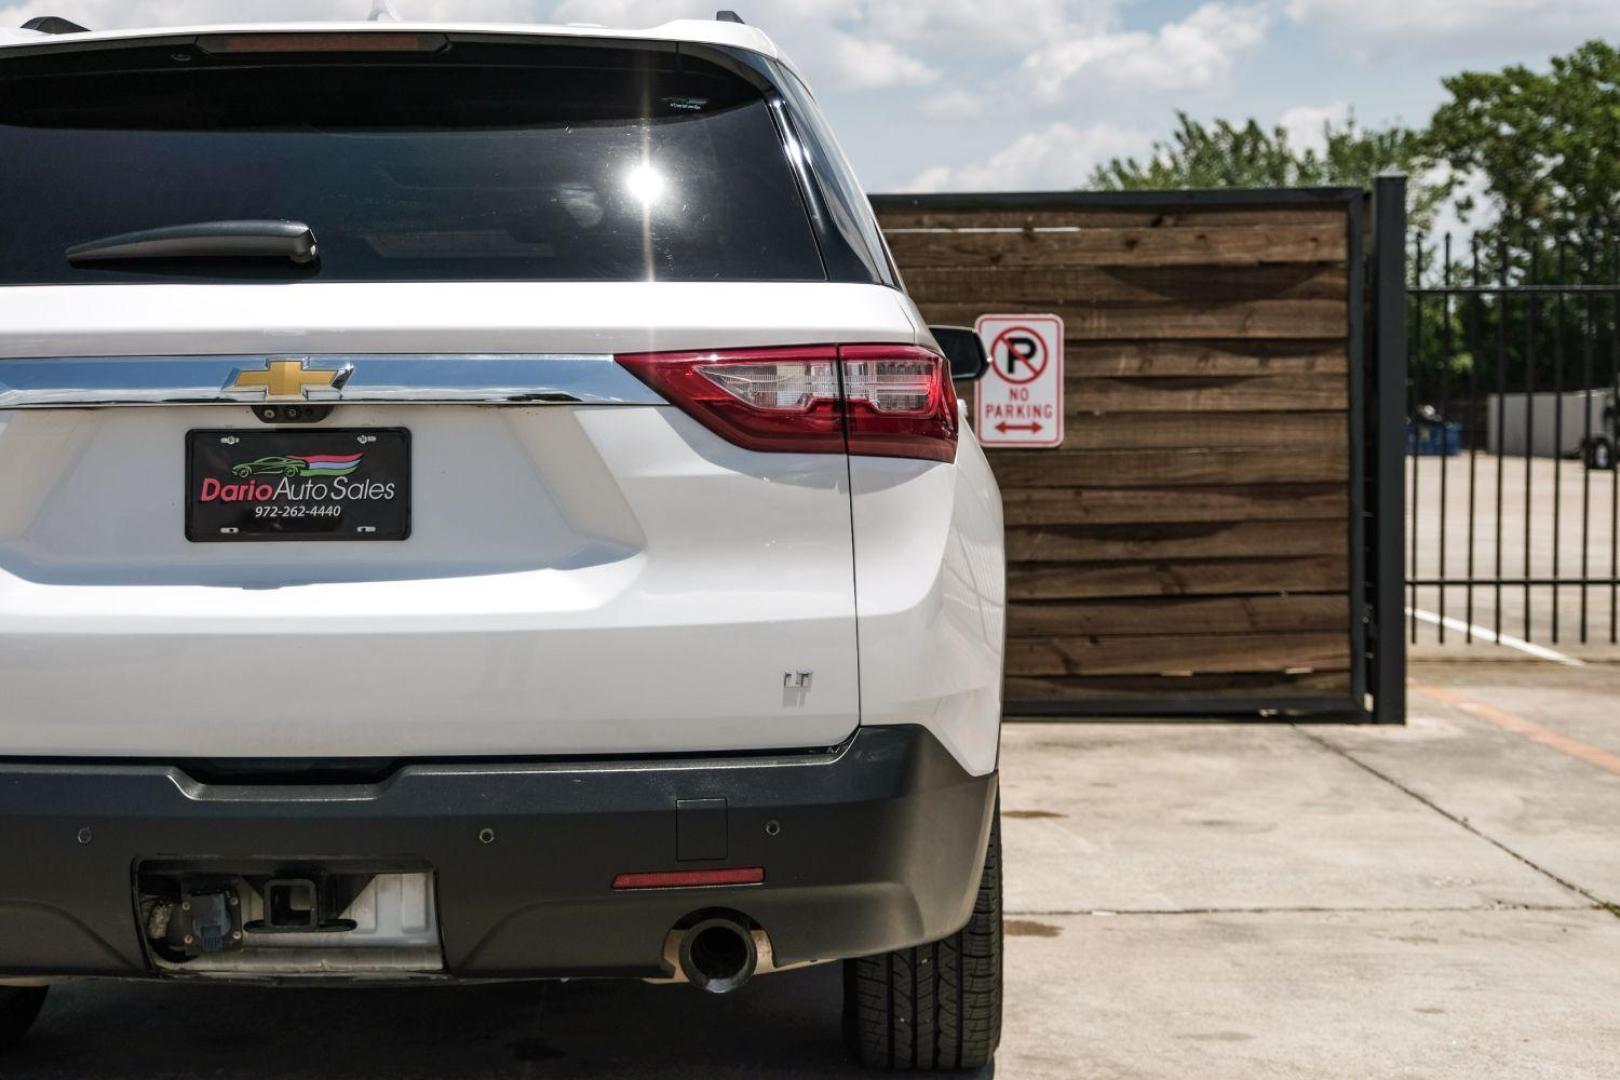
<point>1014,95</point>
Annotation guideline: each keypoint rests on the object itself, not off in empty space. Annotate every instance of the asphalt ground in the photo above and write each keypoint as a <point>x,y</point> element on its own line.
<point>1184,900</point>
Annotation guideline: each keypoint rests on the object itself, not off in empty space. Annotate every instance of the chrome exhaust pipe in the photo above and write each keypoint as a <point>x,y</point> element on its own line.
<point>718,955</point>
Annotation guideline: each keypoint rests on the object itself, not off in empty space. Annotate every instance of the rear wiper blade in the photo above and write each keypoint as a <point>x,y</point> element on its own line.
<point>205,240</point>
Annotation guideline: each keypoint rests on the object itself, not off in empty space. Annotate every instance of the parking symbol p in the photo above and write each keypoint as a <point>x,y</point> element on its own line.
<point>1021,347</point>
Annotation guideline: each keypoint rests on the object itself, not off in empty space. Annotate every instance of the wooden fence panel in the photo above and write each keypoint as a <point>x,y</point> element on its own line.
<point>1191,538</point>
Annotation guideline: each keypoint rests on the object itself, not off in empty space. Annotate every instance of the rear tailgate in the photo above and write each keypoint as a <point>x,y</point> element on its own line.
<point>584,569</point>
<point>578,579</point>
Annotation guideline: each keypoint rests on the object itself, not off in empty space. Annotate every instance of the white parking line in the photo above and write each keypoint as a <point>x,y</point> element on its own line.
<point>1538,651</point>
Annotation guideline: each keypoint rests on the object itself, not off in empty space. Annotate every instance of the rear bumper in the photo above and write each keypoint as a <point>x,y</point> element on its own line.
<point>875,846</point>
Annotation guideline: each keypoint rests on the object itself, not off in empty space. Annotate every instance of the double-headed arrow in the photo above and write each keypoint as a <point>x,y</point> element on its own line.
<point>1033,429</point>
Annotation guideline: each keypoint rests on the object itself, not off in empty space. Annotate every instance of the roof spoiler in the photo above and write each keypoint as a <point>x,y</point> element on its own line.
<point>50,24</point>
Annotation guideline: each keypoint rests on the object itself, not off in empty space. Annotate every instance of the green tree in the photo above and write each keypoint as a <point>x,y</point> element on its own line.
<point>1223,154</point>
<point>1546,145</point>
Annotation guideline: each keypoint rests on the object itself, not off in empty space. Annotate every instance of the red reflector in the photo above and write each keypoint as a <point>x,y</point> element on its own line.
<point>691,879</point>
<point>317,43</point>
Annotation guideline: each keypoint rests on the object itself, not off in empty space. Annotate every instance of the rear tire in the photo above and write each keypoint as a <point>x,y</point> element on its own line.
<point>935,1007</point>
<point>1600,454</point>
<point>19,1006</point>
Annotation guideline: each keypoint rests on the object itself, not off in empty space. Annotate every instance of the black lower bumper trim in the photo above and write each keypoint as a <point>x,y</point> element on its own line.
<point>876,846</point>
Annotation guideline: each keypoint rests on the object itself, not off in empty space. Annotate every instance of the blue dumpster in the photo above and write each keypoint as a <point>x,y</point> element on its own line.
<point>1433,438</point>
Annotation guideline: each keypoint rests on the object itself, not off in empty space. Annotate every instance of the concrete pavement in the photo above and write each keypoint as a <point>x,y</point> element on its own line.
<point>1184,900</point>
<point>1325,901</point>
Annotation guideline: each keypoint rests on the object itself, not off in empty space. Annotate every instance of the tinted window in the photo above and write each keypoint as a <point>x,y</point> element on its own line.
<point>846,198</point>
<point>485,161</point>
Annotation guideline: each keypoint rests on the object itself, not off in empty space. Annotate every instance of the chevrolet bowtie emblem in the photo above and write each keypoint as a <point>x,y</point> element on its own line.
<point>291,379</point>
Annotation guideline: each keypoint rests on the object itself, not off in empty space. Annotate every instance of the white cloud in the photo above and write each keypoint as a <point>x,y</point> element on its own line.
<point>1504,22</point>
<point>832,38</point>
<point>868,64</point>
<point>955,103</point>
<point>1306,125</point>
<point>978,26</point>
<point>1193,54</point>
<point>1059,157</point>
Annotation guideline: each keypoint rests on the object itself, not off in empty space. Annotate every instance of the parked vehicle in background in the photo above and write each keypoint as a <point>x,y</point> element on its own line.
<point>1582,424</point>
<point>1597,449</point>
<point>480,504</point>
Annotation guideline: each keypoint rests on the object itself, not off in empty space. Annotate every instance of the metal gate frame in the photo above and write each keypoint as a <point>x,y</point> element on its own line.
<point>1386,525</point>
<point>1376,339</point>
<point>1547,289</point>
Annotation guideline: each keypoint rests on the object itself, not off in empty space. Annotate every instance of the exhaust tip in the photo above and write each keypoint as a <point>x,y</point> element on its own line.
<point>718,955</point>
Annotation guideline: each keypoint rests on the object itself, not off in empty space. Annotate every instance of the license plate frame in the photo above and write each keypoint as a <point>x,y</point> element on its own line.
<point>278,485</point>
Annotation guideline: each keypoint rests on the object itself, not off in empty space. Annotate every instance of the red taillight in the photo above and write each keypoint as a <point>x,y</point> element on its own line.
<point>871,400</point>
<point>900,402</point>
<point>764,399</point>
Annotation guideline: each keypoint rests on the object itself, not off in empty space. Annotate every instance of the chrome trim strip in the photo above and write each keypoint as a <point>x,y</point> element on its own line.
<point>474,379</point>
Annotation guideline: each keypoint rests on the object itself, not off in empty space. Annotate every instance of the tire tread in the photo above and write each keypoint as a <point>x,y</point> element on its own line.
<point>936,1007</point>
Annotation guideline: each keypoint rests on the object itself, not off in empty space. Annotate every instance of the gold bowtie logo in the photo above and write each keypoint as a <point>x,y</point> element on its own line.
<point>290,379</point>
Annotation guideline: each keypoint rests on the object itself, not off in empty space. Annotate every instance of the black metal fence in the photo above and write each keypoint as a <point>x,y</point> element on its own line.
<point>1513,509</point>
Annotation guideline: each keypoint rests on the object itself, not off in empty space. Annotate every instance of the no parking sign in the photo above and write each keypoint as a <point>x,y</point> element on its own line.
<point>1019,402</point>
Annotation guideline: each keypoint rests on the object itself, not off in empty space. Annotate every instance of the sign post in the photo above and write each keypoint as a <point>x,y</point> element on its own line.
<point>1019,402</point>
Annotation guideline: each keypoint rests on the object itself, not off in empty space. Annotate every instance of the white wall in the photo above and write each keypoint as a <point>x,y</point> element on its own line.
<point>1518,410</point>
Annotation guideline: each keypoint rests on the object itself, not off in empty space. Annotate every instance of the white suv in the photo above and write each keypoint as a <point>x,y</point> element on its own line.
<point>478,503</point>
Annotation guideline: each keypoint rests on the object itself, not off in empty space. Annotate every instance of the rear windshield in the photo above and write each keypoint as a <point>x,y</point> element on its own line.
<point>477,161</point>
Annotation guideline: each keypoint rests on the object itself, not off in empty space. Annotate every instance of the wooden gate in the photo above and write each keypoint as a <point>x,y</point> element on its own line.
<point>1196,542</point>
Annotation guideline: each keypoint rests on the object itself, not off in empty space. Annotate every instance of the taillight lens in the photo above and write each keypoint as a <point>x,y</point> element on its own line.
<point>899,402</point>
<point>873,400</point>
<point>764,399</point>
